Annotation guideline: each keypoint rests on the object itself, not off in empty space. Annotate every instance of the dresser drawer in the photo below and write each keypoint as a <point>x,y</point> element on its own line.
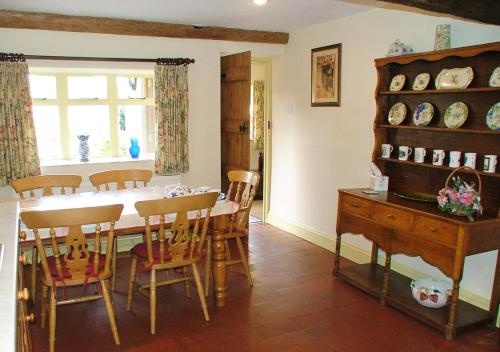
<point>435,230</point>
<point>356,205</point>
<point>395,218</point>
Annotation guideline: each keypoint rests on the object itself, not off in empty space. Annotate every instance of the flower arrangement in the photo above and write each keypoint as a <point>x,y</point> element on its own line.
<point>461,199</point>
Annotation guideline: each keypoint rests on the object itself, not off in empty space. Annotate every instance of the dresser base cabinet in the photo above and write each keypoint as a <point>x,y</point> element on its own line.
<point>399,226</point>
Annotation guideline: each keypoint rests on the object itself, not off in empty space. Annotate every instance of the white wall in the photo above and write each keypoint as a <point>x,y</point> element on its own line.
<point>204,80</point>
<point>318,150</point>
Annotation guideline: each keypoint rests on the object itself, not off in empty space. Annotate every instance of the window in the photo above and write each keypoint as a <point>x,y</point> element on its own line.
<point>110,108</point>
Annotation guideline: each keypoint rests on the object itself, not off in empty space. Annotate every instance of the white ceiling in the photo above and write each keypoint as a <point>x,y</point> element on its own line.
<point>277,15</point>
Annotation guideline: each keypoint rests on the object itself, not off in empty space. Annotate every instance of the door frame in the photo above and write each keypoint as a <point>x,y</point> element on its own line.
<point>266,62</point>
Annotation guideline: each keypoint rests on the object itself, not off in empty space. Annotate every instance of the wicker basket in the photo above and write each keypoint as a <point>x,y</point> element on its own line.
<point>450,176</point>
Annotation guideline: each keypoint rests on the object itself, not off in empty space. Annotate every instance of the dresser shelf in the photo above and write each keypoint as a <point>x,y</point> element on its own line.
<point>442,91</point>
<point>447,168</point>
<point>443,129</point>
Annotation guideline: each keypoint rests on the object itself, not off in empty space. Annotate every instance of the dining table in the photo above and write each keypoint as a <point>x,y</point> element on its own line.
<point>131,223</point>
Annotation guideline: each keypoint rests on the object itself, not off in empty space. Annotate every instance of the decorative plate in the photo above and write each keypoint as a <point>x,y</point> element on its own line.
<point>495,78</point>
<point>455,78</point>
<point>397,83</point>
<point>455,115</point>
<point>397,114</point>
<point>418,197</point>
<point>493,117</point>
<point>421,81</point>
<point>423,114</point>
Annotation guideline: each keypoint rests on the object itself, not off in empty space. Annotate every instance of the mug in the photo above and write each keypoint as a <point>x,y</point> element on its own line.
<point>454,159</point>
<point>470,160</point>
<point>490,163</point>
<point>437,157</point>
<point>387,150</point>
<point>419,155</point>
<point>404,152</point>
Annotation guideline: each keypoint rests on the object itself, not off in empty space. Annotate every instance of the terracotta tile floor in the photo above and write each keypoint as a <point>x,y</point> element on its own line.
<point>295,305</point>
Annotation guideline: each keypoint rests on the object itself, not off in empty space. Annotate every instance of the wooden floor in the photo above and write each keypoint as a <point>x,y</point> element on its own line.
<point>295,305</point>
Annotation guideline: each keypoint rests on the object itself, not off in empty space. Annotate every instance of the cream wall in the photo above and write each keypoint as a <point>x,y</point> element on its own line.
<point>204,82</point>
<point>318,150</point>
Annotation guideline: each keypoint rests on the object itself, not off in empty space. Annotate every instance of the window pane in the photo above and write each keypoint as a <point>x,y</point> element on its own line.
<point>136,121</point>
<point>43,87</point>
<point>94,121</point>
<point>46,120</point>
<point>87,87</point>
<point>131,87</point>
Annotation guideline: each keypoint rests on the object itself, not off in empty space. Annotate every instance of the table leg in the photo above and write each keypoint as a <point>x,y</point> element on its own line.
<point>219,264</point>
<point>336,266</point>
<point>450,328</point>
<point>374,255</point>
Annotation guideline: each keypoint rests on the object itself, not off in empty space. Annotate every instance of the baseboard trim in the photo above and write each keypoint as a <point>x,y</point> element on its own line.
<point>359,255</point>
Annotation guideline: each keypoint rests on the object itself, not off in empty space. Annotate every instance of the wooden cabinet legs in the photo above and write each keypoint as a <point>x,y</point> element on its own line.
<point>337,255</point>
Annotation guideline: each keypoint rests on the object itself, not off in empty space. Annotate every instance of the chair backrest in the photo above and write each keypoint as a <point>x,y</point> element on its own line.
<point>242,188</point>
<point>47,183</point>
<point>120,177</point>
<point>188,230</point>
<point>79,264</point>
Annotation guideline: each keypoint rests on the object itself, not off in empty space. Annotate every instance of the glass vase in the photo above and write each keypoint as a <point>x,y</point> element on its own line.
<point>134,148</point>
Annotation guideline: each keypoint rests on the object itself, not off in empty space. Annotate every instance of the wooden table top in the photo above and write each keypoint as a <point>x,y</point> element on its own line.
<point>130,221</point>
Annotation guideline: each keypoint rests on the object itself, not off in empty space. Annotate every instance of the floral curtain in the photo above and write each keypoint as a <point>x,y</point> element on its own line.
<point>171,89</point>
<point>18,148</point>
<point>258,114</point>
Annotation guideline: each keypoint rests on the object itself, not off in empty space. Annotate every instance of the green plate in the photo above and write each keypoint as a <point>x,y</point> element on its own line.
<point>418,197</point>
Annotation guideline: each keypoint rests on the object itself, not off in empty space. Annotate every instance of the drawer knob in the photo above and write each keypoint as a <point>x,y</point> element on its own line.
<point>22,235</point>
<point>22,259</point>
<point>390,216</point>
<point>433,229</point>
<point>30,318</point>
<point>23,295</point>
<point>355,205</point>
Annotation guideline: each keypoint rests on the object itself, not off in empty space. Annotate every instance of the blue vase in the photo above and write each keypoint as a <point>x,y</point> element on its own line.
<point>83,147</point>
<point>134,148</point>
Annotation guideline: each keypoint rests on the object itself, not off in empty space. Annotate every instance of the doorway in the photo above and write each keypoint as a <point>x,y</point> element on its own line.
<point>246,123</point>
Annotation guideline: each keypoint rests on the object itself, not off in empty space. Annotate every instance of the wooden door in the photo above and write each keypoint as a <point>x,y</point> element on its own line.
<point>235,114</point>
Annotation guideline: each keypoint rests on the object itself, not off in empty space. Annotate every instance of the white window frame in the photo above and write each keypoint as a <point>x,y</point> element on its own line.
<point>62,101</point>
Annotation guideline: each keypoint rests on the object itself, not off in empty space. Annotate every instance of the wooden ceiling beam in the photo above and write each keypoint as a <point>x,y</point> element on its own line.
<point>486,11</point>
<point>84,24</point>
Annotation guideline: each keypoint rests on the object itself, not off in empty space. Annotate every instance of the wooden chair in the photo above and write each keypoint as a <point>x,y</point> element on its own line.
<point>242,188</point>
<point>182,250</point>
<point>105,179</point>
<point>27,187</point>
<point>78,265</point>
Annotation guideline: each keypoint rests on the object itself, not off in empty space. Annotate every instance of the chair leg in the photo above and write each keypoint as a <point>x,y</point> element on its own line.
<point>43,306</point>
<point>208,265</point>
<point>52,319</point>
<point>228,251</point>
<point>152,301</point>
<point>34,264</point>
<point>113,263</point>
<point>131,282</point>
<point>199,288</point>
<point>106,293</point>
<point>244,261</point>
<point>186,283</point>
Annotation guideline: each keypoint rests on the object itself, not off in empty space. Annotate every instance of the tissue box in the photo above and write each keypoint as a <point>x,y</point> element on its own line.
<point>379,183</point>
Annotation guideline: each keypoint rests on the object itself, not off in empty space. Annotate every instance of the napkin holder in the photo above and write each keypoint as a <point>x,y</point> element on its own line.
<point>379,183</point>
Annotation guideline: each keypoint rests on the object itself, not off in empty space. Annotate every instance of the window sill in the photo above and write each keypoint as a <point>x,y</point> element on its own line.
<point>108,160</point>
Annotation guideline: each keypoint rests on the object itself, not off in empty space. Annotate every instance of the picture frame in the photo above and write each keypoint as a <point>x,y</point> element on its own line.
<point>325,75</point>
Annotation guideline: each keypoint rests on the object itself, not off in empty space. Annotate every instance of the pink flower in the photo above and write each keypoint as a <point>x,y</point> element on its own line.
<point>466,198</point>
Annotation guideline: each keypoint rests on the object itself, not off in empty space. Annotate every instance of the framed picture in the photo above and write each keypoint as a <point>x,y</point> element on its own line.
<point>325,75</point>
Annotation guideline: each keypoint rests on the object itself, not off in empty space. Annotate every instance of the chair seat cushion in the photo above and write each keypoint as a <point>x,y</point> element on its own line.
<point>141,251</point>
<point>51,260</point>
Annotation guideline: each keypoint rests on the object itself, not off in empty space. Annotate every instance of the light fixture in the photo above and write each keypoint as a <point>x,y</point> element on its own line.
<point>260,2</point>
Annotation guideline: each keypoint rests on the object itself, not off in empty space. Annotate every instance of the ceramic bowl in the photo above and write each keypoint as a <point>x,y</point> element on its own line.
<point>431,293</point>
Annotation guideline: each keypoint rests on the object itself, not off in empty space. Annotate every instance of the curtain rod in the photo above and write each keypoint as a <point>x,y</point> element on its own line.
<point>159,61</point>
